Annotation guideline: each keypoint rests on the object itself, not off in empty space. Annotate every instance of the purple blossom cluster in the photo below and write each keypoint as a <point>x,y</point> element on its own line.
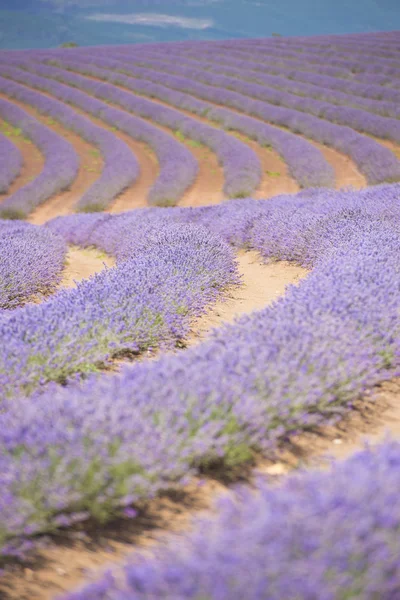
<point>32,259</point>
<point>316,536</point>
<point>121,167</point>
<point>10,163</point>
<point>165,278</point>
<point>60,168</point>
<point>274,372</point>
<point>305,162</point>
<point>242,167</point>
<point>377,163</point>
<point>178,165</point>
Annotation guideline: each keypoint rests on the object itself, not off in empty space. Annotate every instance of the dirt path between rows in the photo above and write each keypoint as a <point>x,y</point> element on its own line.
<point>82,263</point>
<point>33,160</point>
<point>90,168</point>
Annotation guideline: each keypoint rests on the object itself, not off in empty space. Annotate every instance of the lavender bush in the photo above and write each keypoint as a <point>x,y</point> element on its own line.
<point>10,163</point>
<point>317,536</point>
<point>148,299</point>
<point>32,259</point>
<point>60,169</point>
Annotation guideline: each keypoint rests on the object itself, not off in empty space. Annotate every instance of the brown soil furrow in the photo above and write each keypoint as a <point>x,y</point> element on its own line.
<point>90,168</point>
<point>261,285</point>
<point>207,188</point>
<point>135,196</point>
<point>33,161</point>
<point>346,172</point>
<point>82,263</point>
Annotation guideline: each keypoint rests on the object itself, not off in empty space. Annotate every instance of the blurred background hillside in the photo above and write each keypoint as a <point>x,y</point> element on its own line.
<point>49,23</point>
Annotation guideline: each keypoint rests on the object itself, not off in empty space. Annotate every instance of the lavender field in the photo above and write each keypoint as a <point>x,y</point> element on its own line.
<point>135,183</point>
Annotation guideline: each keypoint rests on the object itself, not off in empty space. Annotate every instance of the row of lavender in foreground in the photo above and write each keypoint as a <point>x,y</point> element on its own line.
<point>306,163</point>
<point>145,301</point>
<point>10,163</point>
<point>75,451</point>
<point>32,259</point>
<point>242,167</point>
<point>376,162</point>
<point>317,536</point>
<point>60,168</point>
<point>120,165</point>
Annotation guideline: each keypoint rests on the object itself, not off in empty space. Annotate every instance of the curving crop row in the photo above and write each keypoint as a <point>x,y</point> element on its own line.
<point>287,82</point>
<point>32,259</point>
<point>305,162</point>
<point>145,301</point>
<point>10,163</point>
<point>297,71</point>
<point>355,118</point>
<point>294,364</point>
<point>376,162</point>
<point>242,168</point>
<point>178,166</point>
<point>121,168</point>
<point>60,168</point>
<point>326,535</point>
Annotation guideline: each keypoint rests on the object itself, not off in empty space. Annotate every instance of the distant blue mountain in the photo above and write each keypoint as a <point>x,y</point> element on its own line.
<point>49,23</point>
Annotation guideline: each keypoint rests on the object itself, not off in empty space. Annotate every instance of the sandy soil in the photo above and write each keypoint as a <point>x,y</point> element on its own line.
<point>82,263</point>
<point>261,285</point>
<point>346,172</point>
<point>33,161</point>
<point>90,168</point>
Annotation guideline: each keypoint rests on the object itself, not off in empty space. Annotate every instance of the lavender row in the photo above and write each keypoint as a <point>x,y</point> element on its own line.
<point>326,535</point>
<point>258,52</point>
<point>178,166</point>
<point>10,163</point>
<point>296,71</point>
<point>355,118</point>
<point>305,162</point>
<point>376,162</point>
<point>242,167</point>
<point>146,300</point>
<point>121,168</point>
<point>288,83</point>
<point>294,364</point>
<point>365,58</point>
<point>32,259</point>
<point>60,168</point>
<point>270,60</point>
